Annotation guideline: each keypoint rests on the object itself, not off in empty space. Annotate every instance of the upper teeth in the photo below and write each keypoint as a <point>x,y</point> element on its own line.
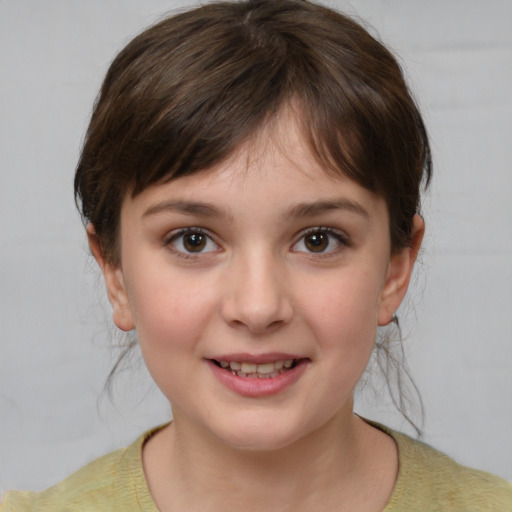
<point>246,367</point>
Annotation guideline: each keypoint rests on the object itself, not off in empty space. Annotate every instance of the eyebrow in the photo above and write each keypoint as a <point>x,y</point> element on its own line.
<point>319,207</point>
<point>300,210</point>
<point>187,208</point>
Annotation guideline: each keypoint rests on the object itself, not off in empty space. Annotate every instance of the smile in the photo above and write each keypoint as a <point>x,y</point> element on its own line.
<point>258,376</point>
<point>257,371</point>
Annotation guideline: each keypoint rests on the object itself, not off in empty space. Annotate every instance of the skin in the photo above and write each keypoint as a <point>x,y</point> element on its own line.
<point>256,287</point>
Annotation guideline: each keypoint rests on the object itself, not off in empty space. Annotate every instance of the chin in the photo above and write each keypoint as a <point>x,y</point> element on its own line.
<point>259,441</point>
<point>262,434</point>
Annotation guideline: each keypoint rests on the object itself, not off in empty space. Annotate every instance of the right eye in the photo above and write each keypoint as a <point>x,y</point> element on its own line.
<point>192,241</point>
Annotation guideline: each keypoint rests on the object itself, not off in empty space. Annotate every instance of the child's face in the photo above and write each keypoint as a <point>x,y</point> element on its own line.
<point>261,260</point>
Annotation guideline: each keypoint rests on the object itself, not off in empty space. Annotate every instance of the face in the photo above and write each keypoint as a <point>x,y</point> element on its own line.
<point>256,288</point>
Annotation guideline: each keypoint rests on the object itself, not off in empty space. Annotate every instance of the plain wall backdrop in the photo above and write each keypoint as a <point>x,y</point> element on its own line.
<point>55,325</point>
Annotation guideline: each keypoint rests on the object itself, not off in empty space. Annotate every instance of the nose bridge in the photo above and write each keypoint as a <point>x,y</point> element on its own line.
<point>258,295</point>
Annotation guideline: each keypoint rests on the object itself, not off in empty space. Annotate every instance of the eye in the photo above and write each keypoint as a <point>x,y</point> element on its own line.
<point>192,241</point>
<point>320,241</point>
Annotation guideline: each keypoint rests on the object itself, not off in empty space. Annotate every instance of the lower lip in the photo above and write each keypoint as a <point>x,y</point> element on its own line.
<point>259,387</point>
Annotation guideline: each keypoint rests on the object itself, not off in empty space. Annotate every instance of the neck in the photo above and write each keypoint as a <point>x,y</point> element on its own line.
<point>189,469</point>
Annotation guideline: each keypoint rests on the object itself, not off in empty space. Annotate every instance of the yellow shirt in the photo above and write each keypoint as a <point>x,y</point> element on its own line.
<point>427,481</point>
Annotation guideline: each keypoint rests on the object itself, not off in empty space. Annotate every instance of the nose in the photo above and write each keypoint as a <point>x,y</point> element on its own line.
<point>258,294</point>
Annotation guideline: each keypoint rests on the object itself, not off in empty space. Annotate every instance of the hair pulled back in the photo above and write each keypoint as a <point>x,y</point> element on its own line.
<point>188,91</point>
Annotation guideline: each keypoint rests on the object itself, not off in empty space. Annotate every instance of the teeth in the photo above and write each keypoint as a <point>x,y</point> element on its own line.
<point>265,368</point>
<point>257,371</point>
<point>248,367</point>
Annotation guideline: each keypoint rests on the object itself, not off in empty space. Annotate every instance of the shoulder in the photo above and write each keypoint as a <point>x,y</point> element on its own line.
<point>113,481</point>
<point>433,479</point>
<point>92,484</point>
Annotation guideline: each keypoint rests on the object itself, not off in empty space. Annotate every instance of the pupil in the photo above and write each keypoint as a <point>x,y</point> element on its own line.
<point>317,242</point>
<point>194,242</point>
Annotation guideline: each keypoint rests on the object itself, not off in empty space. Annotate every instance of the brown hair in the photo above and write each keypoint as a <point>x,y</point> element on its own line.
<point>188,91</point>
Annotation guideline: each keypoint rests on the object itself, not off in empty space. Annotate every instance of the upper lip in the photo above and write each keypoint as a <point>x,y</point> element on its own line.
<point>269,357</point>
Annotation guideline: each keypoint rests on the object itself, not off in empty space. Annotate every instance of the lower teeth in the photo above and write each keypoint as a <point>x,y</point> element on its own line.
<point>275,373</point>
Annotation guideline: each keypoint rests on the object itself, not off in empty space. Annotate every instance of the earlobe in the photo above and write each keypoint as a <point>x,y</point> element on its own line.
<point>399,273</point>
<point>114,282</point>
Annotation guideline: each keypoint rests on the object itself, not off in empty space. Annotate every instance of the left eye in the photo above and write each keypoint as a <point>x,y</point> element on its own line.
<point>192,241</point>
<point>319,241</point>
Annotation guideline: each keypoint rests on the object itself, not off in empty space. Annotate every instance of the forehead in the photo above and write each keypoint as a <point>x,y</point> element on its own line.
<point>274,171</point>
<point>280,144</point>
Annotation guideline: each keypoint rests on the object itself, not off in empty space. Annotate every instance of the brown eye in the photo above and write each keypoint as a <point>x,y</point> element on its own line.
<point>194,242</point>
<point>317,242</point>
<point>321,240</point>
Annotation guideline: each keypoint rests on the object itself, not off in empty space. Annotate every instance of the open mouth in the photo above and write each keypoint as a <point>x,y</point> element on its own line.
<point>258,371</point>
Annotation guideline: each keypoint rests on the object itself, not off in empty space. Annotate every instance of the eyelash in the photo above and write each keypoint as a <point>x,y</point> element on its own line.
<point>180,234</point>
<point>340,239</point>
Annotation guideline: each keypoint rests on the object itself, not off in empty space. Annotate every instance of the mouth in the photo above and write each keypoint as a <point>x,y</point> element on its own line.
<point>250,370</point>
<point>258,376</point>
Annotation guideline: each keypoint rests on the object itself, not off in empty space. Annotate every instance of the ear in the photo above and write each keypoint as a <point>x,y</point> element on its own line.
<point>399,273</point>
<point>114,281</point>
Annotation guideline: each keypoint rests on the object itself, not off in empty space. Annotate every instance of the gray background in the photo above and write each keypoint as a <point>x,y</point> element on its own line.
<point>54,323</point>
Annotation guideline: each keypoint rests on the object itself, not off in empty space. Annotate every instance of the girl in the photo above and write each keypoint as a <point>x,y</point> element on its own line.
<point>250,183</point>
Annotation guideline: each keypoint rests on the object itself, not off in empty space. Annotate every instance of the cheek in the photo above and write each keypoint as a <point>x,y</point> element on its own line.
<point>342,316</point>
<point>171,316</point>
<point>169,311</point>
<point>344,307</point>
<point>345,321</point>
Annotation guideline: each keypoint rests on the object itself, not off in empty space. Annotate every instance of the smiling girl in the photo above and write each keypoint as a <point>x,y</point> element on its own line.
<point>250,183</point>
